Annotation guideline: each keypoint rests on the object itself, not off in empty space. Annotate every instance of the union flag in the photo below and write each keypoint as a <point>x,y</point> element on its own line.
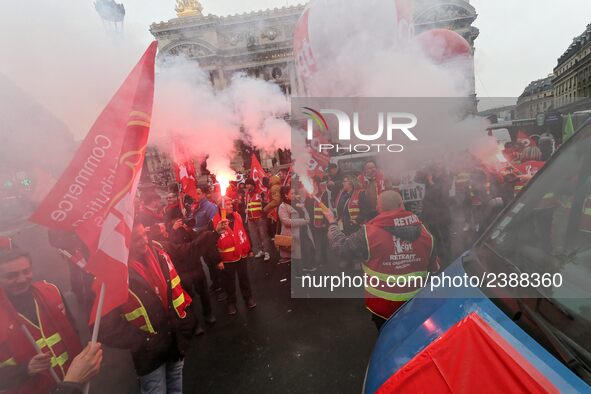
<point>94,196</point>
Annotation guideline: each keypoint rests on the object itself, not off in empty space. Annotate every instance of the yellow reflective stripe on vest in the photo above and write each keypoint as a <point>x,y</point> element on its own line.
<point>60,360</point>
<point>392,296</point>
<point>8,363</point>
<point>384,277</point>
<point>52,340</point>
<point>175,281</point>
<point>140,312</point>
<point>179,300</point>
<point>233,248</point>
<point>587,211</point>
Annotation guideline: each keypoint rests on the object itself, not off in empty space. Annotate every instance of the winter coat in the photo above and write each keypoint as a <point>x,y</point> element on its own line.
<point>291,224</point>
<point>172,334</point>
<point>274,194</point>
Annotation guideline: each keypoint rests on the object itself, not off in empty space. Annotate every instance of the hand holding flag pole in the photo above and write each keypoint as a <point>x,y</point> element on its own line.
<point>38,350</point>
<point>97,324</point>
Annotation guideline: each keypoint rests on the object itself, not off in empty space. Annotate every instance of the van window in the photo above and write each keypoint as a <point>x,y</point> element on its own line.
<point>547,230</point>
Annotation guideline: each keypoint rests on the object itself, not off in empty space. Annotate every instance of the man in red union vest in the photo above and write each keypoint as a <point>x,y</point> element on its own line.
<point>234,247</point>
<point>156,323</point>
<point>393,246</point>
<point>40,309</point>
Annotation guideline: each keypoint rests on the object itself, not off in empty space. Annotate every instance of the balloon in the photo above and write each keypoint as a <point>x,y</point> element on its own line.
<point>327,26</point>
<point>443,45</point>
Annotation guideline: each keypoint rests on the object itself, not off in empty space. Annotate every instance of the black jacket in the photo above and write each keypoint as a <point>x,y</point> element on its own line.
<point>149,351</point>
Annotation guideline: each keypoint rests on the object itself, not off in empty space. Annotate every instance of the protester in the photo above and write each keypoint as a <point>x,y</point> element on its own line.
<point>274,199</point>
<point>156,323</point>
<point>151,209</point>
<point>321,202</point>
<point>372,181</point>
<point>232,191</point>
<point>173,205</point>
<point>295,223</point>
<point>186,249</point>
<point>234,247</point>
<point>395,235</point>
<point>39,308</point>
<point>436,213</point>
<point>203,211</point>
<point>255,220</point>
<point>334,179</point>
<point>347,204</point>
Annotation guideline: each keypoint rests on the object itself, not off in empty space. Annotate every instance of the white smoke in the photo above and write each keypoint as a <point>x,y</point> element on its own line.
<point>209,121</point>
<point>360,50</point>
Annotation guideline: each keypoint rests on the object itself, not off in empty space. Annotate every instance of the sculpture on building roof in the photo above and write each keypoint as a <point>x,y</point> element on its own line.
<point>188,8</point>
<point>110,11</point>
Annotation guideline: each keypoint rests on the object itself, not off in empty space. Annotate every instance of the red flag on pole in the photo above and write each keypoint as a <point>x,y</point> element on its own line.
<point>257,173</point>
<point>94,196</point>
<point>185,170</point>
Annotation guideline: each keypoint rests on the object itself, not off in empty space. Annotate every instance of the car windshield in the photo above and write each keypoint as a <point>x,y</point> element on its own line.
<point>547,230</point>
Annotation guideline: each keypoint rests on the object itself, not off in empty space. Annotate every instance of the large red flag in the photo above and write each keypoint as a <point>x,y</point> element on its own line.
<point>257,173</point>
<point>185,170</point>
<point>94,196</point>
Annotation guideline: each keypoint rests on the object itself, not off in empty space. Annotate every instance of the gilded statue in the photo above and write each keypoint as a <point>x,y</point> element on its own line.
<point>188,8</point>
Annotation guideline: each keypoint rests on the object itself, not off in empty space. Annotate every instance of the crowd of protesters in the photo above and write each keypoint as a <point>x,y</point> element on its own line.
<point>199,246</point>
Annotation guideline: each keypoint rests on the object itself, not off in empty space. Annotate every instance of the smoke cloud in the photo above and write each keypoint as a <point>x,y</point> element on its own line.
<point>362,51</point>
<point>208,122</point>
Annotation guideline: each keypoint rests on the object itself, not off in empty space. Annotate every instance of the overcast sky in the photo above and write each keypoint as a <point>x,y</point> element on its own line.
<point>520,40</point>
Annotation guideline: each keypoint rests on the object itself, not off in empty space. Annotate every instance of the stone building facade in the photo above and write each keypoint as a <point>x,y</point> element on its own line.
<point>260,43</point>
<point>572,81</point>
<point>538,97</point>
<point>256,43</point>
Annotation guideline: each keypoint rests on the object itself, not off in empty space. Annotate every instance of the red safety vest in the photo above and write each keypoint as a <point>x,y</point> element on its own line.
<point>352,204</point>
<point>319,219</point>
<point>527,168</point>
<point>254,206</point>
<point>233,244</point>
<point>54,334</point>
<point>393,261</point>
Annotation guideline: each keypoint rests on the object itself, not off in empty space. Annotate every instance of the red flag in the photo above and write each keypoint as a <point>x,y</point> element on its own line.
<point>257,173</point>
<point>94,196</point>
<point>185,170</point>
<point>525,139</point>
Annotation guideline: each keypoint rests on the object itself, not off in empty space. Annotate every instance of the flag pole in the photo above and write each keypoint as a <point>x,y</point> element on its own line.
<point>97,323</point>
<point>38,350</point>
